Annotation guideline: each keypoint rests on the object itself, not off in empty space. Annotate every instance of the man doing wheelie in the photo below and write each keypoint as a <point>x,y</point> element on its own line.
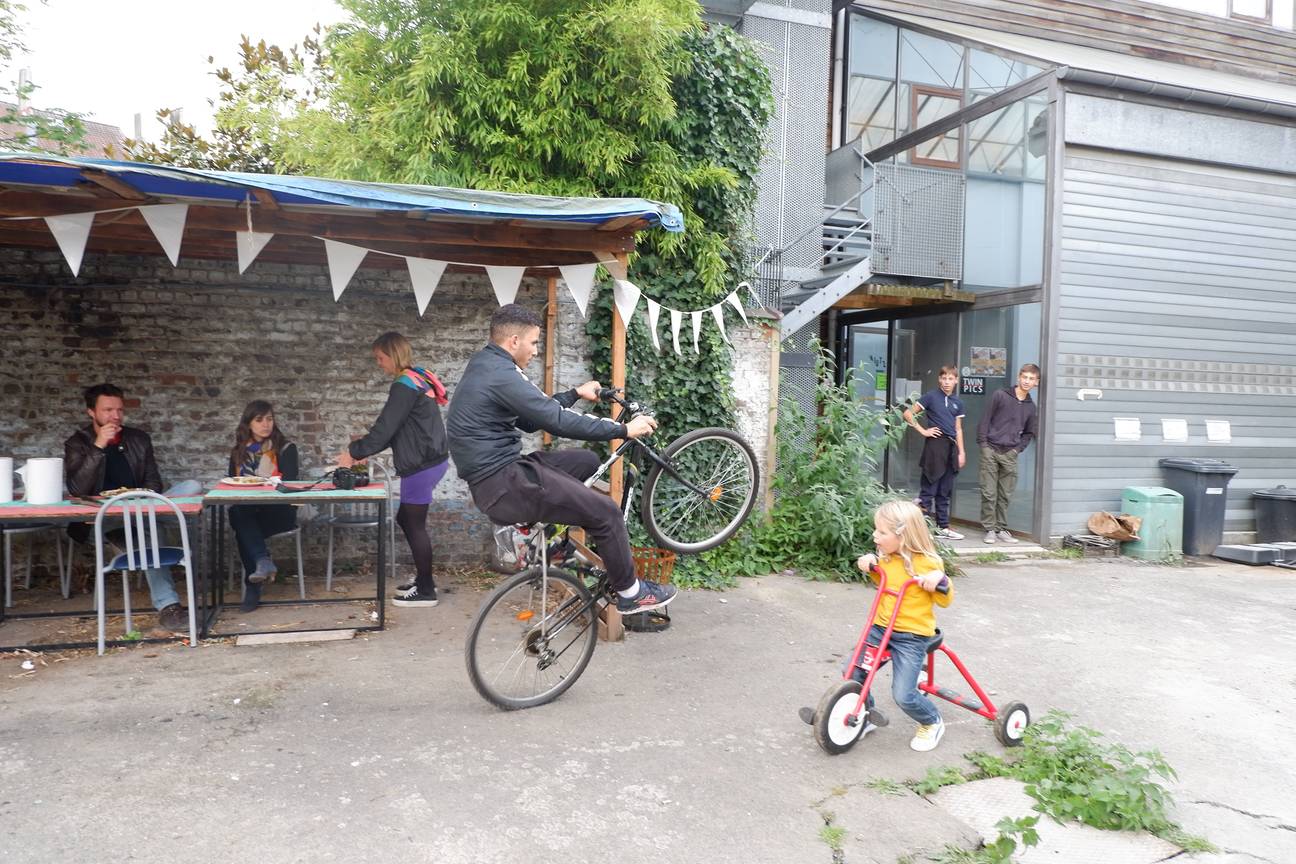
<point>493,405</point>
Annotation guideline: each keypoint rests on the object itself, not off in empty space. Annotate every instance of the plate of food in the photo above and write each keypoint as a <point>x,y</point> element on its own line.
<point>120,490</point>
<point>248,480</point>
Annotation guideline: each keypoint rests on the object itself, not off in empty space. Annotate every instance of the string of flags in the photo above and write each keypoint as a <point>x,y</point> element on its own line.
<point>167,222</point>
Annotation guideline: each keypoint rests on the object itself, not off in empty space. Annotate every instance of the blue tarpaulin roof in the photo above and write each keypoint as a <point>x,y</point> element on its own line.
<point>43,170</point>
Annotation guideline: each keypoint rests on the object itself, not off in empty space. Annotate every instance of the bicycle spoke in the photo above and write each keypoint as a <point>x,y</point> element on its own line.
<point>706,495</point>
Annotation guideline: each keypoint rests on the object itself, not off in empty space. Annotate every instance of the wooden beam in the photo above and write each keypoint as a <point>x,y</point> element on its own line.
<point>551,327</point>
<point>114,185</point>
<point>617,477</point>
<point>265,199</point>
<point>347,225</point>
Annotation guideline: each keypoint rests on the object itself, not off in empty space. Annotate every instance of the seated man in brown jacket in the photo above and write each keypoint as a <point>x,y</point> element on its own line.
<point>106,454</point>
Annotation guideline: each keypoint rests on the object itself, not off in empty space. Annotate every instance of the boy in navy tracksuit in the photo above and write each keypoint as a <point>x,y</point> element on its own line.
<point>942,454</point>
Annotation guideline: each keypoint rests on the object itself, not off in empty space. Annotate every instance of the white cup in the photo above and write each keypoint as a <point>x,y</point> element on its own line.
<point>6,479</point>
<point>42,480</point>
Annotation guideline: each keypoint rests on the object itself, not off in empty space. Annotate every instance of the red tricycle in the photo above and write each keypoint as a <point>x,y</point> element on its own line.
<point>839,720</point>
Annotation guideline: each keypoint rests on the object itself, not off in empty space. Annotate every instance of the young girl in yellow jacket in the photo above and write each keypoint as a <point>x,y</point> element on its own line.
<point>906,551</point>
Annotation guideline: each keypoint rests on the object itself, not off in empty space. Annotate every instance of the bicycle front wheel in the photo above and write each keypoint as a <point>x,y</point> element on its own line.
<point>709,496</point>
<point>531,639</point>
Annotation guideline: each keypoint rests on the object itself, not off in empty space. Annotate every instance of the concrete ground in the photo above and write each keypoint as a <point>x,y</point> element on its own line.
<point>678,746</point>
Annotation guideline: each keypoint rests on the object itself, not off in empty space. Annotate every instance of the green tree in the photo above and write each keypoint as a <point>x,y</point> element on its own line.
<point>48,129</point>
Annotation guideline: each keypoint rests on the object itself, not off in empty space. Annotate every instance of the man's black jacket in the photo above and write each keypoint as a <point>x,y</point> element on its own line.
<point>495,403</point>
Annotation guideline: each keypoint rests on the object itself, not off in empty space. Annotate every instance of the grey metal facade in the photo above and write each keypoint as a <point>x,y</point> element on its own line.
<point>1176,297</point>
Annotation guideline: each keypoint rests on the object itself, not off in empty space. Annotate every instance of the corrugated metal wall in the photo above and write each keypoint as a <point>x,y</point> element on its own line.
<point>1177,298</point>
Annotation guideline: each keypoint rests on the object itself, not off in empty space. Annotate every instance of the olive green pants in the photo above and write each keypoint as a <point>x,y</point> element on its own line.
<point>998,477</point>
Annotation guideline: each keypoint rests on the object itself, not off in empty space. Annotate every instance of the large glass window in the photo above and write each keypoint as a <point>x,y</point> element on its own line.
<point>1007,168</point>
<point>989,73</point>
<point>930,88</point>
<point>871,87</point>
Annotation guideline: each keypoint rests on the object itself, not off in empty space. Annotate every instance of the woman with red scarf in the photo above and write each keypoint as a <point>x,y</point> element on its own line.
<point>260,449</point>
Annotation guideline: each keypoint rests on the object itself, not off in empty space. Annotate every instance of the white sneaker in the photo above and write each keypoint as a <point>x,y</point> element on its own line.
<point>1006,537</point>
<point>927,737</point>
<point>950,534</point>
<point>991,537</point>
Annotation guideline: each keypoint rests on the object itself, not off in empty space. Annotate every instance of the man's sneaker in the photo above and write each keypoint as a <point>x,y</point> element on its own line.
<point>950,534</point>
<point>264,572</point>
<point>991,537</point>
<point>650,596</point>
<point>1006,537</point>
<point>413,597</point>
<point>928,736</point>
<point>173,618</point>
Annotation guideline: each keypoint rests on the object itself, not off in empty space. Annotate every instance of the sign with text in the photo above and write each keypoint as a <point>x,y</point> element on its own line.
<point>973,386</point>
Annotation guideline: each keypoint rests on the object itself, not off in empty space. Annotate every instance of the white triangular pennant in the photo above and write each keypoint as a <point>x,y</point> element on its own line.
<point>249,245</point>
<point>580,282</point>
<point>71,233</point>
<point>425,274</point>
<point>654,310</point>
<point>626,295</point>
<point>167,222</point>
<point>697,329</point>
<point>343,261</point>
<point>717,312</point>
<point>505,281</point>
<point>735,301</point>
<point>676,317</point>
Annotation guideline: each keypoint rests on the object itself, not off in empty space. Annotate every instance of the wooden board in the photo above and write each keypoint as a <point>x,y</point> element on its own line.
<point>304,636</point>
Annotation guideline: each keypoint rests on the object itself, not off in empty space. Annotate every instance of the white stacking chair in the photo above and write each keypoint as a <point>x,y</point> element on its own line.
<point>363,516</point>
<point>139,520</point>
<point>30,530</point>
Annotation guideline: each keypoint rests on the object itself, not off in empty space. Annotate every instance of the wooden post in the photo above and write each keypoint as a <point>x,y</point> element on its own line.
<point>616,479</point>
<point>551,327</point>
<point>771,424</point>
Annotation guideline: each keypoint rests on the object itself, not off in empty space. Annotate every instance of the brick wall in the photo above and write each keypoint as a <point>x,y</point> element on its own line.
<point>191,345</point>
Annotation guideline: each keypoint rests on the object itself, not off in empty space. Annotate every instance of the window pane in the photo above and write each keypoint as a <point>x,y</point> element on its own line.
<point>930,66</point>
<point>1251,8</point>
<point>870,111</point>
<point>931,61</point>
<point>989,73</point>
<point>872,48</point>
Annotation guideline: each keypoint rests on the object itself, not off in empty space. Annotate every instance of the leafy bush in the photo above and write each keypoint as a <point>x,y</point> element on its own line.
<point>826,487</point>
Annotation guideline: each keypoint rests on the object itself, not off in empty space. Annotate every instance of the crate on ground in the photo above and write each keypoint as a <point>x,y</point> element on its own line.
<point>1091,545</point>
<point>656,565</point>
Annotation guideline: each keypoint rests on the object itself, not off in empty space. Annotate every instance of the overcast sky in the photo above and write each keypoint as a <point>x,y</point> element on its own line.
<point>112,60</point>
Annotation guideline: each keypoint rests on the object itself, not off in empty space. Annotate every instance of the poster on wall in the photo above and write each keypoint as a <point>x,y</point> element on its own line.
<point>990,362</point>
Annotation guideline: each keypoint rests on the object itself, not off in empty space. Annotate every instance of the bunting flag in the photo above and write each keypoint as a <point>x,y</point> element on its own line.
<point>697,329</point>
<point>580,282</point>
<point>425,275</point>
<point>167,222</point>
<point>735,301</point>
<point>626,296</point>
<point>717,312</point>
<point>505,281</point>
<point>249,244</point>
<point>343,260</point>
<point>676,317</point>
<point>654,310</point>
<point>71,233</point>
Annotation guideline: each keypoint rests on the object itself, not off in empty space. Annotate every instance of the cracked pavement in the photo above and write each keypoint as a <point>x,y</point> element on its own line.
<point>678,746</point>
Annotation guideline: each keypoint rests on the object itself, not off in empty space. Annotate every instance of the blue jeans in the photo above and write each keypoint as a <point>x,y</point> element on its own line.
<point>908,651</point>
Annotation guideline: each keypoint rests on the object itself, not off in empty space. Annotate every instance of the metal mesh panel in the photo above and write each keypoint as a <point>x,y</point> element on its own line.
<point>918,221</point>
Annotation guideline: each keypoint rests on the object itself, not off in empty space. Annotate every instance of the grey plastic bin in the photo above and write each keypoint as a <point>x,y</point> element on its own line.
<point>1275,511</point>
<point>1204,485</point>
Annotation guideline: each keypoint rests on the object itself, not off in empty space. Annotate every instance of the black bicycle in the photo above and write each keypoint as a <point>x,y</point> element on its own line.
<point>536,632</point>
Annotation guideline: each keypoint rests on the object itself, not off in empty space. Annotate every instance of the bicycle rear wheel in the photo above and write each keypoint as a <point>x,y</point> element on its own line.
<point>531,639</point>
<point>721,464</point>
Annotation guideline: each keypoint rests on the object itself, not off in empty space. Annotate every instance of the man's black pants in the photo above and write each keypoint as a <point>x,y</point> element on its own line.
<point>548,487</point>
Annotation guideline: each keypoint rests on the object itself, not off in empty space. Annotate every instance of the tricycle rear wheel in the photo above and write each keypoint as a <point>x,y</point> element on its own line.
<point>1010,725</point>
<point>830,728</point>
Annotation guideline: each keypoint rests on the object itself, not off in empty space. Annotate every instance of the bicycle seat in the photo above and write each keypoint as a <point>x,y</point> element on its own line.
<point>935,641</point>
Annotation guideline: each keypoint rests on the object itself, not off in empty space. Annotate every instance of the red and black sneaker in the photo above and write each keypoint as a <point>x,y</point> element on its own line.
<point>650,596</point>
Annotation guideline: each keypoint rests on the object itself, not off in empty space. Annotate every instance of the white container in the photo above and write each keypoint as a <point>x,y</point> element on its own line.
<point>6,479</point>
<point>43,480</point>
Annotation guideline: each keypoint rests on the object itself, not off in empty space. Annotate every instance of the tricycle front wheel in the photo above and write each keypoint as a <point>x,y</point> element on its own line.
<point>831,730</point>
<point>1010,725</point>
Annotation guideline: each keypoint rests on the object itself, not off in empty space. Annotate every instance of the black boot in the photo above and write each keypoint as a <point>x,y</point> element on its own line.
<point>251,597</point>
